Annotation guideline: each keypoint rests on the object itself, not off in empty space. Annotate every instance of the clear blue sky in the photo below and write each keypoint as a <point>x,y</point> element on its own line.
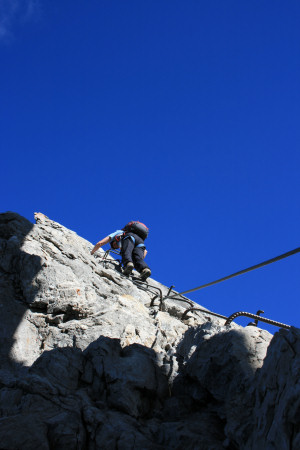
<point>181,114</point>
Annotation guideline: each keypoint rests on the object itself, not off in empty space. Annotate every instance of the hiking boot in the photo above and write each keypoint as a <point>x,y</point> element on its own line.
<point>128,269</point>
<point>145,273</point>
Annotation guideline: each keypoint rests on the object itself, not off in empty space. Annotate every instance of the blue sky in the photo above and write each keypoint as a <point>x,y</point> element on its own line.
<point>183,115</point>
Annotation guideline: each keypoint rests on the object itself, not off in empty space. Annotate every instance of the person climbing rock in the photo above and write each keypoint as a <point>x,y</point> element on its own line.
<point>130,241</point>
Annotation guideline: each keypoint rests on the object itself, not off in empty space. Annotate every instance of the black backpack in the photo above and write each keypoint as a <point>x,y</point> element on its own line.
<point>138,228</point>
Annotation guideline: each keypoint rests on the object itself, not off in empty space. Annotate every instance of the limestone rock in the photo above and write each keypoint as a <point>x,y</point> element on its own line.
<point>89,359</point>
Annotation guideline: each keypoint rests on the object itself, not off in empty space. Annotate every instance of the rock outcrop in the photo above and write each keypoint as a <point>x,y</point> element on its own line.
<point>88,361</point>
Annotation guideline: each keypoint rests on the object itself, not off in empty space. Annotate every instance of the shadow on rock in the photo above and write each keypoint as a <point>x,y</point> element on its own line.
<point>217,367</point>
<point>77,400</point>
<point>17,272</point>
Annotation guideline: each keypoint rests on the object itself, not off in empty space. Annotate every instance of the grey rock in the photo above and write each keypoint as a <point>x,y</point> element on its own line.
<point>276,411</point>
<point>89,360</point>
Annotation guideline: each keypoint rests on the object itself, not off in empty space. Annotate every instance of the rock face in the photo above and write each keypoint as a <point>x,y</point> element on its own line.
<point>88,361</point>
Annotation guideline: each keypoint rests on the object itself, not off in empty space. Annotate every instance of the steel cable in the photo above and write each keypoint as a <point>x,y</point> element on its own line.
<point>256,266</point>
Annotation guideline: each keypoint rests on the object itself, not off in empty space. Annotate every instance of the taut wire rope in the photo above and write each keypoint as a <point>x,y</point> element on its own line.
<point>256,266</point>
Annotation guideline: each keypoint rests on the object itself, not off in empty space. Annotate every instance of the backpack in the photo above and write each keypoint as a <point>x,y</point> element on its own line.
<point>138,228</point>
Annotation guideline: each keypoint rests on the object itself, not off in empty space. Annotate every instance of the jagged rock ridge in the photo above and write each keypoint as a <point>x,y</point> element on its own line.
<point>87,363</point>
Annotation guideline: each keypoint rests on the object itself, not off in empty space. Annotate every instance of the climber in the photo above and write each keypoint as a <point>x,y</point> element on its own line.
<point>130,241</point>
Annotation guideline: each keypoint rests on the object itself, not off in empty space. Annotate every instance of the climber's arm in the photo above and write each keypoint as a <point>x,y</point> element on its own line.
<point>145,253</point>
<point>99,244</point>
